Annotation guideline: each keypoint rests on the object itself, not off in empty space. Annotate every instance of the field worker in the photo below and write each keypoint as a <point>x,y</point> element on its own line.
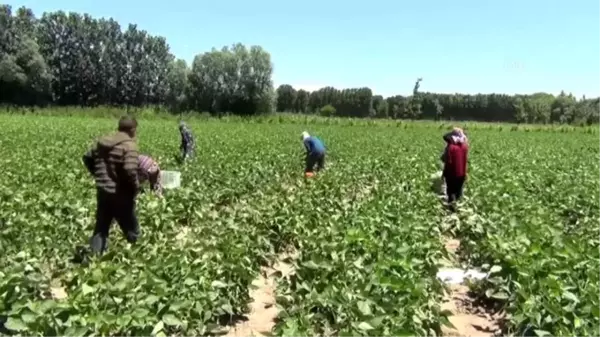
<point>455,164</point>
<point>315,152</point>
<point>149,170</point>
<point>187,140</point>
<point>113,161</point>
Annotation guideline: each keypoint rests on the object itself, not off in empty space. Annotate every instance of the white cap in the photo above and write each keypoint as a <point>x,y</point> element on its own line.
<point>305,135</point>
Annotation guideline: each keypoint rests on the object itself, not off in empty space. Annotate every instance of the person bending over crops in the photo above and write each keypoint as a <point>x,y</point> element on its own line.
<point>149,171</point>
<point>113,161</point>
<point>455,159</point>
<point>315,152</point>
<point>187,140</point>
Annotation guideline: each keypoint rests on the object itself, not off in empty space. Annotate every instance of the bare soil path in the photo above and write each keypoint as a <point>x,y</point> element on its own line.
<point>468,318</point>
<point>263,309</point>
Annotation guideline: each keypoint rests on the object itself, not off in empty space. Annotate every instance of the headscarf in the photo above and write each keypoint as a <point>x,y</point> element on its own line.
<point>305,135</point>
<point>182,125</point>
<point>458,136</point>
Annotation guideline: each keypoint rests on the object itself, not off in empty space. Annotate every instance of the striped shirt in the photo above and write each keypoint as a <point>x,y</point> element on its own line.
<point>113,161</point>
<point>146,167</point>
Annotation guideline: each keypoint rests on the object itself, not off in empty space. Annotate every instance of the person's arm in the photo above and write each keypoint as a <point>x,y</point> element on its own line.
<point>154,179</point>
<point>466,163</point>
<point>449,155</point>
<point>307,146</point>
<point>88,159</point>
<point>131,164</point>
<point>447,137</point>
<point>157,186</point>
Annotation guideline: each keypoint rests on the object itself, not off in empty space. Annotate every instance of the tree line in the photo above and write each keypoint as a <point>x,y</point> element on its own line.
<point>537,108</point>
<point>71,59</point>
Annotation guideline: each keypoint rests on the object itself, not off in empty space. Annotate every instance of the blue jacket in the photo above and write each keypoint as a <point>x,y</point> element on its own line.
<point>314,145</point>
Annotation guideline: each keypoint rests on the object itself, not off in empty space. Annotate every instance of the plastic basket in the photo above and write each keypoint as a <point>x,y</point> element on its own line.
<point>170,179</point>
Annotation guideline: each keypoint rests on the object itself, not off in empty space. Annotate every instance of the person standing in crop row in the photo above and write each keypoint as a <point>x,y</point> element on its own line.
<point>187,141</point>
<point>315,152</point>
<point>113,161</point>
<point>455,159</point>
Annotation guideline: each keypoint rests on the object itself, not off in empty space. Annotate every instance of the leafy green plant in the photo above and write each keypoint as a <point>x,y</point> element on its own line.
<point>537,219</point>
<point>366,230</point>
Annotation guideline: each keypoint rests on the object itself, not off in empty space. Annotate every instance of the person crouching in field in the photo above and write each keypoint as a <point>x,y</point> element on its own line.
<point>149,171</point>
<point>315,152</point>
<point>113,161</point>
<point>455,159</point>
<point>187,140</point>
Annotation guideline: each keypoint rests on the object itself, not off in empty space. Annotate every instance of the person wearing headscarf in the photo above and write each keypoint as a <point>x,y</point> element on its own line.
<point>456,136</point>
<point>187,140</point>
<point>315,152</point>
<point>455,159</point>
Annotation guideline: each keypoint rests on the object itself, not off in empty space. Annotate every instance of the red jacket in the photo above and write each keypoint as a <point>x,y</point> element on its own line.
<point>456,160</point>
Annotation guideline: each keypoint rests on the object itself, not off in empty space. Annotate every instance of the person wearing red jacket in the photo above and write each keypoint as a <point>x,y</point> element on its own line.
<point>455,164</point>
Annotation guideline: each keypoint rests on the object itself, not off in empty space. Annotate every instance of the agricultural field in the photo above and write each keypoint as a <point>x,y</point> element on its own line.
<point>363,241</point>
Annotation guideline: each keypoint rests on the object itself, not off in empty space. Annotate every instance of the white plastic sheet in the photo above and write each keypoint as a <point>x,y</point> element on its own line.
<point>458,276</point>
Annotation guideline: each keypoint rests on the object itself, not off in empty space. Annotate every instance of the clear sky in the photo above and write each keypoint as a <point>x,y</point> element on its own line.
<point>465,46</point>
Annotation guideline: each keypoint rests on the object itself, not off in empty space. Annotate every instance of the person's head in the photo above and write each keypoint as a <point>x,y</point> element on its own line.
<point>458,135</point>
<point>305,135</point>
<point>182,125</point>
<point>128,125</point>
<point>142,157</point>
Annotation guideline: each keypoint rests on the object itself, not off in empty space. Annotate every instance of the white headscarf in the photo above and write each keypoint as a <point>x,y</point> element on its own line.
<point>459,136</point>
<point>305,135</point>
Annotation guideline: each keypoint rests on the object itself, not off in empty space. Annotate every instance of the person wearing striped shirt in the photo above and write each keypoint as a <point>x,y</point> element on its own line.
<point>149,171</point>
<point>187,140</point>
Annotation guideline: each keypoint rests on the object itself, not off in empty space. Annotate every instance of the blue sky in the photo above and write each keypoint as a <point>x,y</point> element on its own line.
<point>466,46</point>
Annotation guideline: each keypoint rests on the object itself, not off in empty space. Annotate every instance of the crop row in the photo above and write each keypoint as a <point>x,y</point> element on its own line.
<point>194,263</point>
<point>201,246</point>
<point>537,218</point>
<point>368,267</point>
<point>182,276</point>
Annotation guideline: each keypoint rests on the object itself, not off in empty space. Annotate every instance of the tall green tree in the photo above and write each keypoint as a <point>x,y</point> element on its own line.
<point>286,98</point>
<point>76,59</point>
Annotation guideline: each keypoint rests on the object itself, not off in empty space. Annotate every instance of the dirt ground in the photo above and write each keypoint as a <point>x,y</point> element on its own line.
<point>469,320</point>
<point>263,309</point>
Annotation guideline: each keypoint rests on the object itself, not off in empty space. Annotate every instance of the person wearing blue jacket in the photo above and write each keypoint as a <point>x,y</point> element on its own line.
<point>315,152</point>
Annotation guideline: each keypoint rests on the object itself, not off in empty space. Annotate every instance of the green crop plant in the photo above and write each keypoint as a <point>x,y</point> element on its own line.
<point>366,232</point>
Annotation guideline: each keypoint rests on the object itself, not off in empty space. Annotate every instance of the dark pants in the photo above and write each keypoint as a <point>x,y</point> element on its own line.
<point>112,207</point>
<point>313,159</point>
<point>454,188</point>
